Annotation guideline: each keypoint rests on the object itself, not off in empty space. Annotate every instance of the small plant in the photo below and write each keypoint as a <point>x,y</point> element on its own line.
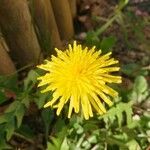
<point>75,100</point>
<point>80,76</point>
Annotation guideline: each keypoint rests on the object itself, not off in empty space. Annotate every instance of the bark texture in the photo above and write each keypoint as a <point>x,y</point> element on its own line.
<point>44,17</point>
<point>6,64</point>
<point>63,17</point>
<point>17,28</point>
<point>73,7</point>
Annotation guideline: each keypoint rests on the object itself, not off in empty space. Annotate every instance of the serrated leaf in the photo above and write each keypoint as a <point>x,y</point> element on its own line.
<point>26,101</point>
<point>118,112</point>
<point>58,140</point>
<point>12,107</point>
<point>47,116</point>
<point>10,127</point>
<point>64,145</point>
<point>3,144</point>
<point>42,98</point>
<point>9,82</point>
<point>19,113</point>
<point>5,117</point>
<point>31,79</point>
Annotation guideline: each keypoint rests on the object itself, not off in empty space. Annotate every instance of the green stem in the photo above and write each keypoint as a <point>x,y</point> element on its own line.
<point>112,19</point>
<point>106,25</point>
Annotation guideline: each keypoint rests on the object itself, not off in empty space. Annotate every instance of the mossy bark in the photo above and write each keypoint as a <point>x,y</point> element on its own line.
<point>6,64</point>
<point>44,18</point>
<point>17,28</point>
<point>63,17</point>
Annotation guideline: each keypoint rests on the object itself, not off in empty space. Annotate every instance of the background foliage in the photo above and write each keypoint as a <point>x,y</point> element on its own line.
<point>25,124</point>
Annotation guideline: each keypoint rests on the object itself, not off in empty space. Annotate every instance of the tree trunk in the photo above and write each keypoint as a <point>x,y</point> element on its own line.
<point>44,17</point>
<point>63,17</point>
<point>16,25</point>
<point>6,65</point>
<point>73,7</point>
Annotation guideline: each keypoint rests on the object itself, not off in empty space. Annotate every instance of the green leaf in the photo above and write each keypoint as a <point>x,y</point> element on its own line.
<point>132,95</point>
<point>90,126</point>
<point>112,140</point>
<point>118,112</point>
<point>3,144</point>
<point>92,39</point>
<point>13,106</point>
<point>41,98</point>
<point>58,141</point>
<point>107,44</point>
<point>133,145</point>
<point>30,80</point>
<point>61,133</point>
<point>26,131</point>
<point>26,100</point>
<point>19,113</point>
<point>47,116</point>
<point>140,84</point>
<point>64,145</point>
<point>5,117</point>
<point>129,114</point>
<point>2,97</point>
<point>131,69</point>
<point>18,110</point>
<point>92,139</point>
<point>10,127</point>
<point>9,82</point>
<point>50,146</point>
<point>86,145</point>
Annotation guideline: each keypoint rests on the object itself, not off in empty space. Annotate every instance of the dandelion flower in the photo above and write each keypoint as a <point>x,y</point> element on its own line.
<point>78,77</point>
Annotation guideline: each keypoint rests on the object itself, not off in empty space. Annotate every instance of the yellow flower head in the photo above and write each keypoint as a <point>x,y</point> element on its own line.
<point>79,77</point>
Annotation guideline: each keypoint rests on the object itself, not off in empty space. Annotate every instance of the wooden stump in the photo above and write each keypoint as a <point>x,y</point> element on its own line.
<point>44,18</point>
<point>17,28</point>
<point>63,17</point>
<point>6,65</point>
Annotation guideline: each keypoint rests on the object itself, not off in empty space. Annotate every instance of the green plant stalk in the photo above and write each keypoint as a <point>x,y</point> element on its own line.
<point>20,69</point>
<point>111,20</point>
<point>106,25</point>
